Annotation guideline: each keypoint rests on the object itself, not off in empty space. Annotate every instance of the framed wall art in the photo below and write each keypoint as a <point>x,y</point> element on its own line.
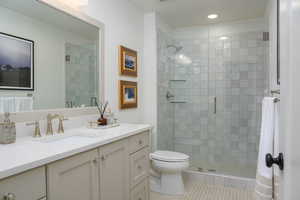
<point>16,63</point>
<point>128,94</point>
<point>127,61</point>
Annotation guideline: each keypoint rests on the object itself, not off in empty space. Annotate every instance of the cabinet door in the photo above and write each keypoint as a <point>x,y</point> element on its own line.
<point>30,185</point>
<point>114,171</point>
<point>74,178</point>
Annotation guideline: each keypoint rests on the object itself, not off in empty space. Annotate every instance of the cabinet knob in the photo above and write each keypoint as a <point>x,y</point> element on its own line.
<point>9,196</point>
<point>140,142</point>
<point>102,158</point>
<point>95,161</point>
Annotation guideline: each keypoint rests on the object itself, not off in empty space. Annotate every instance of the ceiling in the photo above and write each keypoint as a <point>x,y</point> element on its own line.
<point>184,13</point>
<point>42,12</point>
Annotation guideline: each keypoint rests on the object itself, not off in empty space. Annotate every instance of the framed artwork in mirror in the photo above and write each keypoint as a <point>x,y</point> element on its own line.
<point>127,61</point>
<point>16,63</point>
<point>128,94</point>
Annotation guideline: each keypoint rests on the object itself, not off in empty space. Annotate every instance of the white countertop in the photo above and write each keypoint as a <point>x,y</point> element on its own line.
<point>28,152</point>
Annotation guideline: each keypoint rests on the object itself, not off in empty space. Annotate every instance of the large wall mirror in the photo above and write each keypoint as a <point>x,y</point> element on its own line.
<point>48,59</point>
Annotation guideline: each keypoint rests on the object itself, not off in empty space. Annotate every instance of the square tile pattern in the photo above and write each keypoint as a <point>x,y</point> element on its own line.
<point>234,72</point>
<point>81,74</point>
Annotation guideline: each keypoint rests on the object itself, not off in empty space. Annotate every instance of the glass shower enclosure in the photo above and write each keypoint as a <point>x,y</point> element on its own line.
<point>210,88</point>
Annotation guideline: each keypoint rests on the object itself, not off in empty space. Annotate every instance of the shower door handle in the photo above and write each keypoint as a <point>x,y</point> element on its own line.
<point>215,105</point>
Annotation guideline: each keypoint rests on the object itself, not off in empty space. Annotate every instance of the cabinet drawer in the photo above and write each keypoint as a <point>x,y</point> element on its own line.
<point>138,142</point>
<point>141,191</point>
<point>139,166</point>
<point>30,185</point>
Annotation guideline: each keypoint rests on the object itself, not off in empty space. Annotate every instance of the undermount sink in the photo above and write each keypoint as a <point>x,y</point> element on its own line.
<point>75,135</point>
<point>61,138</point>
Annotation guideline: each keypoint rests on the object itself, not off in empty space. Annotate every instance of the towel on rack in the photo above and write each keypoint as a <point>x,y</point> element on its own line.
<point>16,104</point>
<point>264,175</point>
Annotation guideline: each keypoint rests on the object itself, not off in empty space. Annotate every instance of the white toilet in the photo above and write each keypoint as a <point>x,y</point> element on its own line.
<point>168,165</point>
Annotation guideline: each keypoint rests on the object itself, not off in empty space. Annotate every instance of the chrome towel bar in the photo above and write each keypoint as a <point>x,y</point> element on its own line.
<point>275,92</point>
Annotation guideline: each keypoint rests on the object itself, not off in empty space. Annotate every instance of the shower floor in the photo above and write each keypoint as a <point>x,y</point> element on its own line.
<point>200,191</point>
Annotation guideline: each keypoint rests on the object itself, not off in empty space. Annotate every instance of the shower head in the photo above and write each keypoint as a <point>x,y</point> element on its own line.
<point>177,48</point>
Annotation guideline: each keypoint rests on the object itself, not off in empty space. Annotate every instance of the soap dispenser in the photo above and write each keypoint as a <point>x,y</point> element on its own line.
<point>7,130</point>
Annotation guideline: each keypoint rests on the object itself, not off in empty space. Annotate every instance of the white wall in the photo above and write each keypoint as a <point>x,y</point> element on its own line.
<point>49,56</point>
<point>149,75</point>
<point>290,97</point>
<point>152,22</point>
<point>124,24</point>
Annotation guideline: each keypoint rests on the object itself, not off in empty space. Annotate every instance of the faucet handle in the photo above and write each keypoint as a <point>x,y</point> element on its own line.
<point>37,130</point>
<point>61,129</point>
<point>49,130</point>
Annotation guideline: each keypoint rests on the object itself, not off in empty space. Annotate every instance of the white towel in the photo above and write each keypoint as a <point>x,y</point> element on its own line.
<point>16,104</point>
<point>264,175</point>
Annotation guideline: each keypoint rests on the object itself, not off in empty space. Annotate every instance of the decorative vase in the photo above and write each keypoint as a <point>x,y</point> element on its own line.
<point>102,121</point>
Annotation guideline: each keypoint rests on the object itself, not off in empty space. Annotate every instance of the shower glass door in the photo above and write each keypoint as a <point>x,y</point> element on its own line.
<point>215,83</point>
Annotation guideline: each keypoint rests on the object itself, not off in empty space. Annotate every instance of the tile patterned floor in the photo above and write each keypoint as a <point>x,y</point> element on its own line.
<point>199,191</point>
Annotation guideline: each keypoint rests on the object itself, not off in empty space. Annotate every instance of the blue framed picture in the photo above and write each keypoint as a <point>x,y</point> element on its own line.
<point>128,94</point>
<point>128,62</point>
<point>16,63</point>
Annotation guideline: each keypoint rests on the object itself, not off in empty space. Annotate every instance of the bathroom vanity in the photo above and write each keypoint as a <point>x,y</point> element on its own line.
<point>81,164</point>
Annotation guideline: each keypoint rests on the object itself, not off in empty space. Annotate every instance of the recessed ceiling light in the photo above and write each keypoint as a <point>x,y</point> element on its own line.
<point>213,16</point>
<point>224,38</point>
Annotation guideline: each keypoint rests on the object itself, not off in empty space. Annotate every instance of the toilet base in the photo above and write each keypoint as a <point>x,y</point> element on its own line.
<point>168,183</point>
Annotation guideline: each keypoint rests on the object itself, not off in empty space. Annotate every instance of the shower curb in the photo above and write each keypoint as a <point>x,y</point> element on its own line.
<point>218,179</point>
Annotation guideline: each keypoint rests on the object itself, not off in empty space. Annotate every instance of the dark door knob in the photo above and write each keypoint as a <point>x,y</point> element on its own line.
<point>278,161</point>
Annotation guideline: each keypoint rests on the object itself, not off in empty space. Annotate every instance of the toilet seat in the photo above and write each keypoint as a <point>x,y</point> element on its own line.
<point>169,156</point>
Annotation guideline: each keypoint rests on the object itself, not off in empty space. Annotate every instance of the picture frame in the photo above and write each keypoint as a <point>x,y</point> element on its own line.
<point>16,63</point>
<point>128,61</point>
<point>128,93</point>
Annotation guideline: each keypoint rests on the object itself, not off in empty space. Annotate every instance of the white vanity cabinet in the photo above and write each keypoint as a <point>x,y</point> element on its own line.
<point>118,170</point>
<point>124,169</point>
<point>114,171</point>
<point>30,185</point>
<point>74,178</point>
<point>139,166</point>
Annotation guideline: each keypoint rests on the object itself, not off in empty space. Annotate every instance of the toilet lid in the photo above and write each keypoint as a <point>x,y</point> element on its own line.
<point>169,156</point>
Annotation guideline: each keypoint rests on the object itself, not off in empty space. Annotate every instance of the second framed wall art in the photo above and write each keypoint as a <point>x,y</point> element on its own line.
<point>128,94</point>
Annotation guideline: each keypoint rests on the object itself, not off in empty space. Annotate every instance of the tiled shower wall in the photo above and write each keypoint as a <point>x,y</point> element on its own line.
<point>165,122</point>
<point>232,71</point>
<point>81,74</point>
